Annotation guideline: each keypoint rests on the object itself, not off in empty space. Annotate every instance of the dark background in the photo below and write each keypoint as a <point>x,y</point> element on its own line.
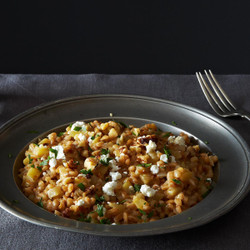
<point>123,37</point>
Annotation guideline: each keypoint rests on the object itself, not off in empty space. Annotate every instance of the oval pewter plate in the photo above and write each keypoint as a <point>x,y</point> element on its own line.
<point>231,187</point>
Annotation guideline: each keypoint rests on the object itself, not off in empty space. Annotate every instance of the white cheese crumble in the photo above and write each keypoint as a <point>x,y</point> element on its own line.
<point>60,153</point>
<point>179,140</point>
<point>172,158</point>
<point>147,191</point>
<point>154,169</point>
<point>113,165</point>
<point>104,211</point>
<point>104,157</point>
<point>81,137</point>
<point>171,139</point>
<point>52,162</point>
<point>115,176</point>
<point>79,124</point>
<point>80,202</point>
<point>109,187</point>
<point>151,147</point>
<point>164,158</point>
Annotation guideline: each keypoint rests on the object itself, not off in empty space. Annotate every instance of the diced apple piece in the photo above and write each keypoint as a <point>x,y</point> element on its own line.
<point>33,174</point>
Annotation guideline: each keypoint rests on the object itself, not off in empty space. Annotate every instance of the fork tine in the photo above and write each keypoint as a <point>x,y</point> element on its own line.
<point>222,91</point>
<point>218,93</point>
<point>208,97</point>
<point>214,98</point>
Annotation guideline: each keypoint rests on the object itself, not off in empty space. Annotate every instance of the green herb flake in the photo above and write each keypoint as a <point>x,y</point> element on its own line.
<point>70,125</point>
<point>142,212</point>
<point>10,155</point>
<point>60,134</point>
<point>166,135</point>
<point>84,171</point>
<point>190,218</point>
<point>39,168</point>
<point>206,193</point>
<point>145,165</point>
<point>90,149</point>
<point>107,179</point>
<point>150,215</point>
<point>176,181</point>
<point>32,132</point>
<point>166,151</point>
<point>54,151</point>
<point>121,202</point>
<point>32,166</point>
<point>81,186</point>
<point>133,133</point>
<point>99,199</point>
<point>137,187</point>
<point>90,125</point>
<point>30,159</point>
<point>92,137</point>
<point>121,123</point>
<point>174,123</point>
<point>40,203</point>
<point>105,221</point>
<point>44,163</point>
<point>206,142</point>
<point>104,151</point>
<point>15,201</point>
<point>99,210</point>
<point>77,128</point>
<point>84,219</point>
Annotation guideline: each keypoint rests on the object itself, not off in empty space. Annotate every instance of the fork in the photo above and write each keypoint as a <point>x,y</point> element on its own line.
<point>220,102</point>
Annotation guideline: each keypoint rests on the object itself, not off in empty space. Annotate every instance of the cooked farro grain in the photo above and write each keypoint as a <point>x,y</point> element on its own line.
<point>109,173</point>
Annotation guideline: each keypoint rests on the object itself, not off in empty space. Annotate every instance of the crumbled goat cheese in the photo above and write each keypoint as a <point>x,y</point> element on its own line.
<point>171,139</point>
<point>80,202</point>
<point>115,176</point>
<point>109,187</point>
<point>52,162</point>
<point>179,140</point>
<point>113,165</point>
<point>104,157</point>
<point>164,158</point>
<point>79,124</point>
<point>81,137</point>
<point>172,158</point>
<point>60,153</point>
<point>125,172</point>
<point>154,169</point>
<point>147,191</point>
<point>151,147</point>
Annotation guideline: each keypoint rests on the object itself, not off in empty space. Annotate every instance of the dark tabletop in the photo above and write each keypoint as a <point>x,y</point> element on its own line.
<point>21,92</point>
<point>129,37</point>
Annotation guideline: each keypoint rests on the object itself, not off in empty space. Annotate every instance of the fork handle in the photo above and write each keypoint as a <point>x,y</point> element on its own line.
<point>246,116</point>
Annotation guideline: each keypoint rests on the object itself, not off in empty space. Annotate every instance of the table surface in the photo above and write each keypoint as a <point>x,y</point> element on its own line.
<point>21,92</point>
<point>162,37</point>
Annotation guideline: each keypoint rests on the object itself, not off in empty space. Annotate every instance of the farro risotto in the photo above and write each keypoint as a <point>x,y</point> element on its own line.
<point>111,173</point>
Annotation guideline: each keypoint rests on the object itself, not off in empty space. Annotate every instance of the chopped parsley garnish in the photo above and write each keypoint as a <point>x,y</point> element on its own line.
<point>92,137</point>
<point>84,171</point>
<point>133,133</point>
<point>10,155</point>
<point>15,201</point>
<point>54,151</point>
<point>70,125</point>
<point>166,151</point>
<point>174,123</point>
<point>90,149</point>
<point>39,168</point>
<point>90,125</point>
<point>142,212</point>
<point>122,123</point>
<point>150,215</point>
<point>137,187</point>
<point>44,163</point>
<point>32,166</point>
<point>166,135</point>
<point>176,181</point>
<point>60,134</point>
<point>104,151</point>
<point>84,219</point>
<point>145,165</point>
<point>81,186</point>
<point>30,159</point>
<point>105,221</point>
<point>77,128</point>
<point>99,199</point>
<point>32,132</point>
<point>206,193</point>
<point>40,203</point>
<point>107,179</point>
<point>76,162</point>
<point>99,210</point>
<point>105,162</point>
<point>121,202</point>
